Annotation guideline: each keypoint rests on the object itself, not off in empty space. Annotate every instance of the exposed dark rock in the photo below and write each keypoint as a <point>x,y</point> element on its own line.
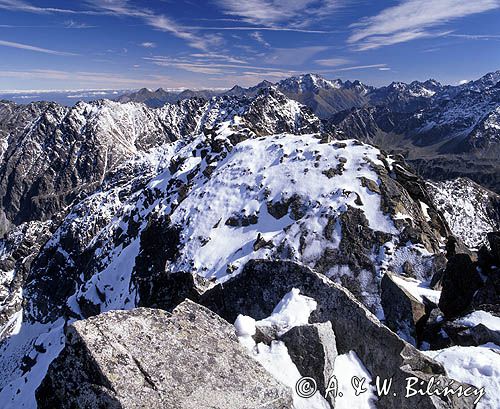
<point>488,296</point>
<point>265,334</point>
<point>371,185</point>
<point>357,243</point>
<point>157,287</point>
<point>331,172</point>
<point>402,310</point>
<point>239,220</point>
<point>471,336</point>
<point>455,246</point>
<point>313,350</point>
<point>113,361</point>
<point>431,331</point>
<point>295,204</point>
<point>460,281</point>
<point>262,284</point>
<point>260,242</point>
<point>494,240</point>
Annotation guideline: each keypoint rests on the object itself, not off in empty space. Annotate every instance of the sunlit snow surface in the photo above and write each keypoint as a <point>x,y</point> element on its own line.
<point>480,317</point>
<point>288,313</point>
<point>244,180</point>
<point>477,366</point>
<point>346,367</point>
<point>294,310</point>
<point>273,169</point>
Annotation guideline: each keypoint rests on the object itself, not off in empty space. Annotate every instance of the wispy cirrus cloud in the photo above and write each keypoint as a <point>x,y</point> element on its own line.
<point>476,36</point>
<point>28,47</point>
<point>413,19</point>
<point>257,36</point>
<point>123,8</point>
<point>297,13</point>
<point>27,7</point>
<point>214,64</point>
<point>219,57</point>
<point>72,24</point>
<point>293,56</point>
<point>148,44</point>
<point>262,28</point>
<point>382,67</point>
<point>88,79</point>
<point>200,63</point>
<point>333,62</point>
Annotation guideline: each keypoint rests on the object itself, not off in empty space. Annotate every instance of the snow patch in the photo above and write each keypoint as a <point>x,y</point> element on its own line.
<point>480,317</point>
<point>477,366</point>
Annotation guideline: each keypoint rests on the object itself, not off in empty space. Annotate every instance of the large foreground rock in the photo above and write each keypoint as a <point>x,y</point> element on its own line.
<point>262,284</point>
<point>146,358</point>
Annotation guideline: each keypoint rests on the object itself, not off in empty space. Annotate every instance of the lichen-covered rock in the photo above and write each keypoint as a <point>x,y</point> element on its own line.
<point>147,358</point>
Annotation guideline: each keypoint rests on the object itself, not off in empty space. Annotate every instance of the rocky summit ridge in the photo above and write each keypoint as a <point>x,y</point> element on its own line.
<point>245,205</point>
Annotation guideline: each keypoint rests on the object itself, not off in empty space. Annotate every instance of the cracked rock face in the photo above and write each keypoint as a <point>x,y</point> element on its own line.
<point>113,361</point>
<point>263,284</point>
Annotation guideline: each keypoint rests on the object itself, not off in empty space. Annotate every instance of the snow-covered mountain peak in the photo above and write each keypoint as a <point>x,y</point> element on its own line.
<point>486,81</point>
<point>308,83</point>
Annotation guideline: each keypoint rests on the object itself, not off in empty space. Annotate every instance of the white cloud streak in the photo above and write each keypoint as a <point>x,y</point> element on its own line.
<point>299,13</point>
<point>262,28</point>
<point>333,62</point>
<point>122,8</point>
<point>24,6</point>
<point>476,36</point>
<point>258,37</point>
<point>89,79</point>
<point>34,48</point>
<point>413,19</point>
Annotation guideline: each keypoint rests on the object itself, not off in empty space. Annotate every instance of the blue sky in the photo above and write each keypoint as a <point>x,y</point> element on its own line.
<point>57,45</point>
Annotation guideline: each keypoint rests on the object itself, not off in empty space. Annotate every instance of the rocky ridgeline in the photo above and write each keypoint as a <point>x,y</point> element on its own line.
<point>51,154</point>
<point>107,361</point>
<point>188,197</point>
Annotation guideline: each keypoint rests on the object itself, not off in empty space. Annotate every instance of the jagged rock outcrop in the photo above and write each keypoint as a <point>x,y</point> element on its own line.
<point>402,310</point>
<point>468,284</point>
<point>324,97</point>
<point>262,284</point>
<point>465,335</point>
<point>17,252</point>
<point>313,350</point>
<point>460,281</point>
<point>113,361</point>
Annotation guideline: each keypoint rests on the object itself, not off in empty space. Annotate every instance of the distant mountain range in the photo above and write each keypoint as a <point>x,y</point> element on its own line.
<point>109,205</point>
<point>444,131</point>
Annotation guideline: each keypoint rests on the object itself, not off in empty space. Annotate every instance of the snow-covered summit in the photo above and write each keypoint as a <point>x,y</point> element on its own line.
<point>307,83</point>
